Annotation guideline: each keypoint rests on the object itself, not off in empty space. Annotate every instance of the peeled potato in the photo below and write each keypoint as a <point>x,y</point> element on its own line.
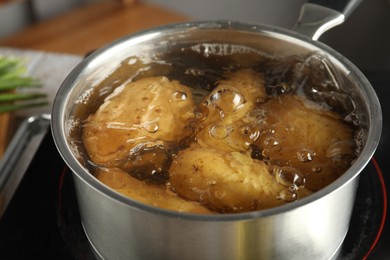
<point>225,182</point>
<point>227,109</point>
<point>155,195</point>
<point>303,135</point>
<point>147,113</point>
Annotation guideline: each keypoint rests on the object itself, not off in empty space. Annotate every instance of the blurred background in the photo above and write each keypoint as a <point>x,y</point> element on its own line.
<point>364,38</point>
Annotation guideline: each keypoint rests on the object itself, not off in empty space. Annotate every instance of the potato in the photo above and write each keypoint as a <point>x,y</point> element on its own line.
<point>226,182</point>
<point>154,195</point>
<point>245,151</point>
<point>303,135</point>
<point>227,110</point>
<point>148,113</point>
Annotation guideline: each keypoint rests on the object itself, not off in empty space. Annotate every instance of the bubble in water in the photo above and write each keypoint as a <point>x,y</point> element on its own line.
<point>194,72</point>
<point>265,153</point>
<point>198,114</point>
<point>251,133</point>
<point>254,135</point>
<point>212,183</point>
<point>151,126</point>
<point>227,100</point>
<point>287,195</point>
<point>219,131</point>
<point>179,96</point>
<point>260,100</point>
<point>289,129</point>
<point>280,89</point>
<point>271,141</point>
<point>306,155</point>
<point>316,169</point>
<point>359,140</point>
<point>256,153</point>
<point>245,130</point>
<point>352,118</point>
<point>84,97</point>
<point>289,176</point>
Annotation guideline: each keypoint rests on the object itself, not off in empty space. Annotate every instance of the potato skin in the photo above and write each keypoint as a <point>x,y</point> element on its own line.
<point>225,182</point>
<point>146,113</point>
<point>249,151</point>
<point>155,195</point>
<point>226,111</point>
<point>301,134</point>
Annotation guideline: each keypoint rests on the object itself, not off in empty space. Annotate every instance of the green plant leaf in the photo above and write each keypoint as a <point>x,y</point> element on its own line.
<point>13,77</point>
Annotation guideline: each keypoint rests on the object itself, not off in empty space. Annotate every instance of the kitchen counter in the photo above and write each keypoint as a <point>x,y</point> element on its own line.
<point>89,27</point>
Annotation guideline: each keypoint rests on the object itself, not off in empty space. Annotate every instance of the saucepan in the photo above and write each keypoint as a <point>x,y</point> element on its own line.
<point>313,227</point>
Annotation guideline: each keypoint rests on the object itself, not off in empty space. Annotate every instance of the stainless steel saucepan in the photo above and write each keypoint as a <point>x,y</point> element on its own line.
<point>311,228</point>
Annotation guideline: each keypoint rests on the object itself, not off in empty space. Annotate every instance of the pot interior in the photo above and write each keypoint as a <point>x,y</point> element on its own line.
<point>197,54</point>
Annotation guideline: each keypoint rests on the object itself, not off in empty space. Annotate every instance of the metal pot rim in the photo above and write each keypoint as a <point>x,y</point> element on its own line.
<point>375,124</point>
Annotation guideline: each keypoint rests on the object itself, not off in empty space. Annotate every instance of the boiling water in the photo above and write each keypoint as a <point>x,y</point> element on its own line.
<point>201,67</point>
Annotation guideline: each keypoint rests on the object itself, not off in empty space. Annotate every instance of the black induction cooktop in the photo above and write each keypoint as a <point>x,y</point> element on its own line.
<point>42,219</point>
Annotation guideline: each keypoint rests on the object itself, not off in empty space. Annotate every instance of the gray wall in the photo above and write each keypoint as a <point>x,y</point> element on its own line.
<point>275,12</point>
<point>364,38</point>
<point>15,15</point>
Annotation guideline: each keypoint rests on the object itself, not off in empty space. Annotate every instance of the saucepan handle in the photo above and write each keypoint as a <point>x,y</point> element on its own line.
<point>318,16</point>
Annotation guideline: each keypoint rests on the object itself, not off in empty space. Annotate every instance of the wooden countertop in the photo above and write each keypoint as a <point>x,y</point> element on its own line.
<point>83,30</point>
<point>89,27</point>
